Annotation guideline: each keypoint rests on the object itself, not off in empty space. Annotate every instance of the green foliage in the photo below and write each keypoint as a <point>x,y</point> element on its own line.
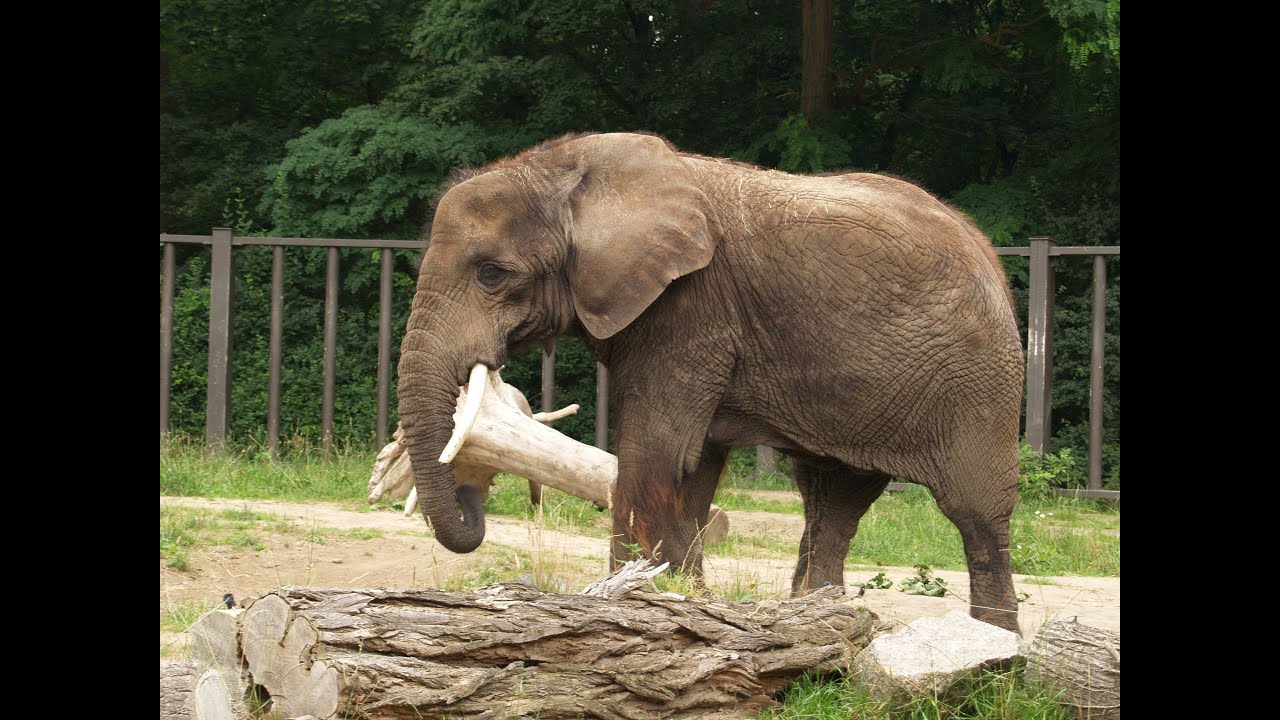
<point>924,583</point>
<point>797,147</point>
<point>879,582</point>
<point>368,173</point>
<point>341,119</point>
<point>239,78</point>
<point>741,472</point>
<point>1091,27</point>
<point>1037,476</point>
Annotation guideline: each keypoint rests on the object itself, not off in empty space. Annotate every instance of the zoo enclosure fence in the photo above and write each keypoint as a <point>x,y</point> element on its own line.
<point>1041,253</point>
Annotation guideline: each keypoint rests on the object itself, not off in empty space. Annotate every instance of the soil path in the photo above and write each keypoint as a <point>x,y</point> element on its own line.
<point>326,544</point>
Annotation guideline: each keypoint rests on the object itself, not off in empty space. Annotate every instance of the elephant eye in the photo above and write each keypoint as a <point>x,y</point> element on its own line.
<point>490,275</point>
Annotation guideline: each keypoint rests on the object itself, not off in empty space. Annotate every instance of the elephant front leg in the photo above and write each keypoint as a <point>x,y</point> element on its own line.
<point>661,513</point>
<point>835,499</point>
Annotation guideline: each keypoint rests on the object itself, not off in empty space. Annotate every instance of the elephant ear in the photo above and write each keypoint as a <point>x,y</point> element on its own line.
<point>638,222</point>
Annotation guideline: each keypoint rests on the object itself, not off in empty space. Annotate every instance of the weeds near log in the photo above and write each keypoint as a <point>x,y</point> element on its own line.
<point>1007,695</point>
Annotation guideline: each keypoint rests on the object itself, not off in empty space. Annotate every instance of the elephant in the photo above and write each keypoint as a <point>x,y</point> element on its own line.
<point>853,322</point>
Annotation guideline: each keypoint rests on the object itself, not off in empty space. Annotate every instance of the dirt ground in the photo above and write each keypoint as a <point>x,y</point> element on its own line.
<point>325,544</point>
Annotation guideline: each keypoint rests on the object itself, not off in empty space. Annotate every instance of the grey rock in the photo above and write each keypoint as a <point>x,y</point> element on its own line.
<point>927,656</point>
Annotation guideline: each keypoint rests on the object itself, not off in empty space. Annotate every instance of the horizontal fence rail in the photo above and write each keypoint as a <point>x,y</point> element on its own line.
<point>1041,254</point>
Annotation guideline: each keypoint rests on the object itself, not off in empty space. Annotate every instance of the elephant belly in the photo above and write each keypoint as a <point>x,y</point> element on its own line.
<point>731,429</point>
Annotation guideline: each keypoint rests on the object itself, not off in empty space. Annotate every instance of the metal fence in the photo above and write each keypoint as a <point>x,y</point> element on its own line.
<point>1041,254</point>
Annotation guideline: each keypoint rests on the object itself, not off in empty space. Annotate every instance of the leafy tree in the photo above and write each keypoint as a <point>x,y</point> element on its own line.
<point>340,119</point>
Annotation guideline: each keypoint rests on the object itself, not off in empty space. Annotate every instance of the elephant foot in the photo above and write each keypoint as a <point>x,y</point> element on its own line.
<point>809,577</point>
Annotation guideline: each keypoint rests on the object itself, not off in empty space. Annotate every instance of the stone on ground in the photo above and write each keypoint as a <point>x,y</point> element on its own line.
<point>927,656</point>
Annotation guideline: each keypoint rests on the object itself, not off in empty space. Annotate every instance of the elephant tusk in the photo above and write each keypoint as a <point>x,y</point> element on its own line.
<point>470,411</point>
<point>411,502</point>
<point>550,417</point>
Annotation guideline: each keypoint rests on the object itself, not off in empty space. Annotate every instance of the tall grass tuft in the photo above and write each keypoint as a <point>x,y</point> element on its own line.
<point>187,468</point>
<point>989,695</point>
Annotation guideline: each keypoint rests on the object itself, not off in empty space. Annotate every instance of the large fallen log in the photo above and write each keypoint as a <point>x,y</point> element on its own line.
<point>500,433</point>
<point>511,650</point>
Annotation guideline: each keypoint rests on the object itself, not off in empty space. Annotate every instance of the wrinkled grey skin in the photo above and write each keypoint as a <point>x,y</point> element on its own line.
<point>853,322</point>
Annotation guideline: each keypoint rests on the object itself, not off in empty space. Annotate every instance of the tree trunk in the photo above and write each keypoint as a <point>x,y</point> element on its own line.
<point>766,461</point>
<point>1082,660</point>
<point>817,27</point>
<point>512,650</point>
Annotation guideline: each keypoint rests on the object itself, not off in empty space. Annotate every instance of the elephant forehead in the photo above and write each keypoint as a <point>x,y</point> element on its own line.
<point>488,206</point>
<point>490,196</point>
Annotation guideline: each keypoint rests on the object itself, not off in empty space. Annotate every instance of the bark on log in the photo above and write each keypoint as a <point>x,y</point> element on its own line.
<point>510,650</point>
<point>177,690</point>
<point>1084,662</point>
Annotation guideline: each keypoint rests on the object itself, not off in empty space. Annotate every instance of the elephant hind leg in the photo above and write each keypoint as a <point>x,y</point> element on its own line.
<point>978,497</point>
<point>836,497</point>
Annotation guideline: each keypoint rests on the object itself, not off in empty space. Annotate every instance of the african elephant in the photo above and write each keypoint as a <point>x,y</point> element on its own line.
<point>854,322</point>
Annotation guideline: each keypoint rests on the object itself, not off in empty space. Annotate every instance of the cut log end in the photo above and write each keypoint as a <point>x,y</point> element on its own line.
<point>1083,662</point>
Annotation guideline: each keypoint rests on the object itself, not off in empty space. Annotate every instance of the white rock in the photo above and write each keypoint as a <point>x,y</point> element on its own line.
<point>927,656</point>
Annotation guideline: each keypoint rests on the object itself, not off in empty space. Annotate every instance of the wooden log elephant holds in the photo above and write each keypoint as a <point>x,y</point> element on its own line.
<point>497,432</point>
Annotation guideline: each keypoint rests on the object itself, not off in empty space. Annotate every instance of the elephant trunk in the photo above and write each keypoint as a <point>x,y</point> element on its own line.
<point>428,390</point>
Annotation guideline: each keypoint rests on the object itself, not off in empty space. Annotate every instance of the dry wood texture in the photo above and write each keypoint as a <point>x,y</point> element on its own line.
<point>192,691</point>
<point>508,437</point>
<point>1084,661</point>
<point>510,650</point>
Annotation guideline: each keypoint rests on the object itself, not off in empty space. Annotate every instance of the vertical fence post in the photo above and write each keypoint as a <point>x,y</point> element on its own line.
<point>766,460</point>
<point>1095,371</point>
<point>277,333</point>
<point>166,338</point>
<point>602,407</point>
<point>1040,346</point>
<point>330,352</point>
<point>219,390</point>
<point>384,346</point>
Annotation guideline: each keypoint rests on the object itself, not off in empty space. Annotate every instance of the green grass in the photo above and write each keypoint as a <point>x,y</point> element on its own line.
<point>737,545</point>
<point>177,618</point>
<point>987,696</point>
<point>907,528</point>
<point>560,511</point>
<point>180,531</point>
<point>183,529</point>
<point>745,500</point>
<point>1053,536</point>
<point>186,468</point>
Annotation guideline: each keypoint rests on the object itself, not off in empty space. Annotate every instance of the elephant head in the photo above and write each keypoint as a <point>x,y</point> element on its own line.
<point>579,235</point>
